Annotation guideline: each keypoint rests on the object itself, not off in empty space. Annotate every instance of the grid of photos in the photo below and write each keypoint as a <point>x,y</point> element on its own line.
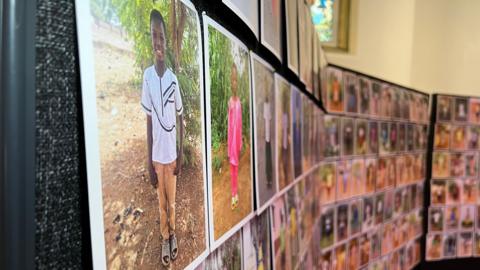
<point>454,211</point>
<point>372,176</point>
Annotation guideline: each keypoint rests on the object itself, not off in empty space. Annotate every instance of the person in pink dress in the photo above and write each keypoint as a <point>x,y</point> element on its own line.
<point>234,136</point>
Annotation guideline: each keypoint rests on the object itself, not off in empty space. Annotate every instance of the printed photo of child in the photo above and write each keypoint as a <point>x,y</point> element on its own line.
<point>228,131</point>
<point>335,101</point>
<point>265,132</point>
<point>444,108</point>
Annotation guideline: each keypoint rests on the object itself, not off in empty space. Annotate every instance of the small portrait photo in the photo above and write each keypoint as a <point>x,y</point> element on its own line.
<point>459,138</point>
<point>332,136</point>
<point>467,218</point>
<point>280,234</point>
<point>271,26</point>
<point>371,174</point>
<point>420,195</point>
<point>384,138</point>
<point>350,82</point>
<point>228,130</point>
<point>438,192</point>
<point>297,121</point>
<point>387,238</point>
<point>476,250</point>
<point>379,208</point>
<point>397,203</point>
<point>365,247</point>
<point>461,109</point>
<point>388,212</point>
<point>473,137</point>
<point>450,245</point>
<point>265,136</point>
<point>227,256</point>
<point>410,137</point>
<point>452,218</point>
<point>454,192</point>
<point>401,144</point>
<point>365,90</point>
<point>375,98</point>
<point>326,260</point>
<point>405,104</point>
<point>376,243</point>
<point>335,100</point>
<point>149,168</point>
<point>381,181</point>
<point>386,106</point>
<point>355,217</point>
<point>328,177</point>
<point>442,136</point>
<point>441,165</point>
<point>444,108</point>
<point>474,111</point>
<point>465,244</point>
<point>393,137</point>
<point>293,231</point>
<point>283,132</point>
<point>348,136</point>
<point>353,256</point>
<point>435,219</point>
<point>358,175</point>
<point>400,168</point>
<point>471,164</point>
<point>469,195</point>
<point>345,184</point>
<point>340,260</point>
<point>434,247</point>
<point>457,165</point>
<point>310,146</point>
<point>368,214</point>
<point>327,227</point>
<point>397,102</point>
<point>341,222</point>
<point>373,137</point>
<point>361,140</point>
<point>256,243</point>
<point>391,172</point>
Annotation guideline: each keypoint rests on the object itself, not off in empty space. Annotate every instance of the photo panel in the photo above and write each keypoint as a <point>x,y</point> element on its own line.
<point>444,108</point>
<point>291,14</point>
<point>465,244</point>
<point>328,179</point>
<point>473,137</point>
<point>361,137</point>
<point>229,255</point>
<point>435,219</point>
<point>342,224</point>
<point>281,245</point>
<point>139,92</point>
<point>332,136</point>
<point>335,94</point>
<point>441,165</point>
<point>460,112</point>
<point>449,245</point>
<point>365,89</point>
<point>247,11</point>
<point>297,124</point>
<point>434,247</point>
<point>263,84</point>
<point>351,90</point>
<point>327,227</point>
<point>348,136</point>
<point>305,44</point>
<point>459,137</point>
<point>228,87</point>
<point>442,136</point>
<point>284,140</point>
<point>256,243</point>
<point>474,110</point>
<point>271,26</point>
<point>376,99</point>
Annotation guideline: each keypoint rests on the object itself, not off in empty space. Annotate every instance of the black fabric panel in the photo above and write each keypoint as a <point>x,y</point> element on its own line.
<point>60,186</point>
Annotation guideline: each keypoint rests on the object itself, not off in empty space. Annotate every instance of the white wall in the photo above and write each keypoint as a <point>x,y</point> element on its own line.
<point>429,45</point>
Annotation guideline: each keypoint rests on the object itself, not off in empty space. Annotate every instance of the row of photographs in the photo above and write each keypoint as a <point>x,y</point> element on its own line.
<point>454,164</point>
<point>170,154</point>
<point>305,56</point>
<point>454,192</point>
<point>362,176</point>
<point>360,136</point>
<point>456,137</point>
<point>453,218</point>
<point>458,109</point>
<point>349,93</point>
<point>452,245</point>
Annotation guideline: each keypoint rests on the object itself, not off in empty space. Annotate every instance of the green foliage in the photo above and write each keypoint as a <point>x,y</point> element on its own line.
<point>134,17</point>
<point>221,61</point>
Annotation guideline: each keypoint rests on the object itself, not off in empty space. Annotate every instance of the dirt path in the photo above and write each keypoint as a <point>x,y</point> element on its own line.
<point>224,217</point>
<point>131,215</point>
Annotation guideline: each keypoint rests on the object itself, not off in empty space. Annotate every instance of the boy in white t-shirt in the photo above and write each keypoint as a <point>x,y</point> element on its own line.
<point>162,102</point>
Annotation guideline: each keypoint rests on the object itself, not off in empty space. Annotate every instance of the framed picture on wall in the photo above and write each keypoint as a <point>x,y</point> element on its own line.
<point>247,11</point>
<point>291,14</point>
<point>139,92</point>
<point>271,26</point>
<point>229,139</point>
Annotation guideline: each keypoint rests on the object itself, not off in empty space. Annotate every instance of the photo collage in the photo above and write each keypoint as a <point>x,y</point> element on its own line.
<point>203,155</point>
<point>372,174</point>
<point>454,211</point>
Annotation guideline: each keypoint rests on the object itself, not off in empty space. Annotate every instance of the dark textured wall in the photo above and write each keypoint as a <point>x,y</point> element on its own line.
<point>61,213</point>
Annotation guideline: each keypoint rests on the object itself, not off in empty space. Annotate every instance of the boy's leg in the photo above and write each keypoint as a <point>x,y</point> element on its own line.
<point>171,190</point>
<point>162,199</point>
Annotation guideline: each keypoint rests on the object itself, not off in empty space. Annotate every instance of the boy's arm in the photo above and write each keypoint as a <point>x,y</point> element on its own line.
<point>151,170</point>
<point>178,169</point>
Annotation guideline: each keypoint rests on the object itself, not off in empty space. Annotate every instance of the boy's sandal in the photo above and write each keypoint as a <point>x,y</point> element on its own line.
<point>173,247</point>
<point>166,253</point>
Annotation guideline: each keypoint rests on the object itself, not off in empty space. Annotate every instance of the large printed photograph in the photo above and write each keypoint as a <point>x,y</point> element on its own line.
<point>147,67</point>
<point>228,87</point>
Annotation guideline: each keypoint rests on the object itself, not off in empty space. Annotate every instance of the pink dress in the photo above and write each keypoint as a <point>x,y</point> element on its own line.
<point>234,139</point>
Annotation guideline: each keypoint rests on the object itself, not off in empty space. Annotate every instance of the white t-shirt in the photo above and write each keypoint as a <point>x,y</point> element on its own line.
<point>161,99</point>
<point>267,116</point>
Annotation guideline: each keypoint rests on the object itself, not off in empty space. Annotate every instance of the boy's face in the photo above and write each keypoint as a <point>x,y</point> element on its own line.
<point>158,41</point>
